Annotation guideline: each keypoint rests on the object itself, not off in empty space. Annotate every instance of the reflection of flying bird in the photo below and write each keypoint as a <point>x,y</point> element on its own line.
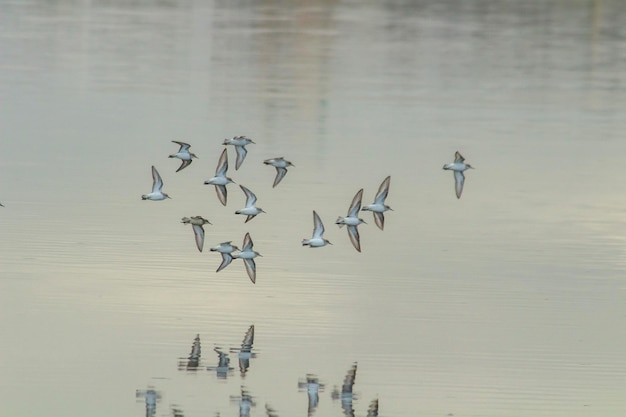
<point>176,411</point>
<point>346,395</point>
<point>458,166</point>
<point>151,397</point>
<point>226,249</point>
<point>270,411</point>
<point>220,180</point>
<point>183,154</point>
<point>352,220</point>
<point>246,402</point>
<point>313,387</point>
<point>239,142</point>
<point>197,223</point>
<point>245,352</point>
<point>378,207</point>
<point>281,168</point>
<point>317,239</point>
<point>248,255</point>
<point>223,361</point>
<point>372,411</point>
<point>194,355</point>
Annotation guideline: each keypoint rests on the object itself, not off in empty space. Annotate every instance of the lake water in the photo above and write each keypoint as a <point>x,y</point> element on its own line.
<point>510,301</point>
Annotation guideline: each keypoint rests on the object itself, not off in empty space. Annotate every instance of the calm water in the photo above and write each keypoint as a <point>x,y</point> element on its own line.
<point>508,302</point>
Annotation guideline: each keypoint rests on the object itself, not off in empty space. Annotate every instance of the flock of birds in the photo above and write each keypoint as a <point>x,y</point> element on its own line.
<point>247,253</point>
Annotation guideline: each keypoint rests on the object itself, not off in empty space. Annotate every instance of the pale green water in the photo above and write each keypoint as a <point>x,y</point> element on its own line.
<point>508,302</point>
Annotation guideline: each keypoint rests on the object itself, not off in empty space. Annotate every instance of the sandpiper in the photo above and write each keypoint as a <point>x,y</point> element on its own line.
<point>183,154</point>
<point>458,166</point>
<point>157,185</point>
<point>239,142</point>
<point>352,220</point>
<point>226,249</point>
<point>220,180</point>
<point>317,240</point>
<point>248,255</point>
<point>197,223</point>
<point>250,210</point>
<point>281,168</point>
<point>378,207</point>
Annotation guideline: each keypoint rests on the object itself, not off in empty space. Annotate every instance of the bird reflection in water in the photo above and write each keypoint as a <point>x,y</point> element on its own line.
<point>372,411</point>
<point>270,411</point>
<point>177,411</point>
<point>313,387</point>
<point>246,402</point>
<point>346,395</point>
<point>223,369</point>
<point>193,360</point>
<point>151,397</point>
<point>245,352</point>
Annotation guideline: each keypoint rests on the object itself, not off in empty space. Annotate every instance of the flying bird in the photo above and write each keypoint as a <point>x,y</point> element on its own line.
<point>458,166</point>
<point>183,154</point>
<point>378,207</point>
<point>281,168</point>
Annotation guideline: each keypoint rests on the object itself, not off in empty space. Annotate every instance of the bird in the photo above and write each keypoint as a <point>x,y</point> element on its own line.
<point>281,168</point>
<point>372,410</point>
<point>1,205</point>
<point>378,207</point>
<point>226,249</point>
<point>183,154</point>
<point>197,223</point>
<point>248,255</point>
<point>250,210</point>
<point>220,180</point>
<point>317,239</point>
<point>458,166</point>
<point>352,220</point>
<point>239,142</point>
<point>157,185</point>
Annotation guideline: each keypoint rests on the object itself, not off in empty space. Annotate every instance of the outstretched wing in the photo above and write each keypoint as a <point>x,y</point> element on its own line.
<point>184,164</point>
<point>251,269</point>
<point>198,232</point>
<point>241,155</point>
<point>221,193</point>
<point>318,226</point>
<point>157,182</point>
<point>280,174</point>
<point>355,206</point>
<point>184,147</point>
<point>226,260</point>
<point>353,233</point>
<point>459,180</point>
<point>379,218</point>
<point>250,197</point>
<point>383,190</point>
<point>222,164</point>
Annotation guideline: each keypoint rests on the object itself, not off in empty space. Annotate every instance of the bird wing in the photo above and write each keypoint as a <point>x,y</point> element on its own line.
<point>222,164</point>
<point>198,231</point>
<point>226,260</point>
<point>250,197</point>
<point>379,218</point>
<point>157,182</point>
<point>355,206</point>
<point>318,226</point>
<point>241,155</point>
<point>280,174</point>
<point>459,180</point>
<point>251,269</point>
<point>383,190</point>
<point>247,243</point>
<point>221,193</point>
<point>184,164</point>
<point>353,233</point>
<point>183,146</point>
<point>458,157</point>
